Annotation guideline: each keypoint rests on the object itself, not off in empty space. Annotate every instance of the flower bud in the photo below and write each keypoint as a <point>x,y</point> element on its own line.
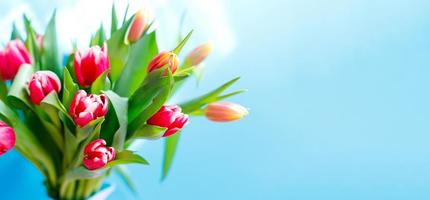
<point>41,84</point>
<point>7,138</point>
<point>39,41</point>
<point>12,57</point>
<point>170,117</point>
<point>198,54</point>
<point>225,112</point>
<point>162,59</point>
<point>140,24</point>
<point>86,108</point>
<point>90,64</point>
<point>97,154</point>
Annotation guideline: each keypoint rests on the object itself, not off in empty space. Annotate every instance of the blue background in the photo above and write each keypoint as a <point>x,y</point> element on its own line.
<point>339,100</point>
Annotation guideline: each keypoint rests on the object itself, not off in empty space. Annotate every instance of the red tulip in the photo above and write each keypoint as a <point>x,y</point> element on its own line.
<point>97,154</point>
<point>7,138</point>
<point>41,84</point>
<point>198,54</point>
<point>225,112</point>
<point>86,108</point>
<point>11,58</point>
<point>170,117</point>
<point>90,64</point>
<point>139,25</point>
<point>162,59</point>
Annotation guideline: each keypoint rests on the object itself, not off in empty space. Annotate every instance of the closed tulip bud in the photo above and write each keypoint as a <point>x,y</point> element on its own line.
<point>90,64</point>
<point>162,59</point>
<point>170,117</point>
<point>7,138</point>
<point>97,154</point>
<point>11,58</point>
<point>140,24</point>
<point>39,41</point>
<point>198,54</point>
<point>225,112</point>
<point>41,84</point>
<point>86,108</point>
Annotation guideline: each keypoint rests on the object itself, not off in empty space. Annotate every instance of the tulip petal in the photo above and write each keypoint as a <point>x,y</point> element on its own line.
<point>36,92</point>
<point>7,138</point>
<point>84,118</point>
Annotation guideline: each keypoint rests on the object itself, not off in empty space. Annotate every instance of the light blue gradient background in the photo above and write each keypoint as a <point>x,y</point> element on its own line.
<point>339,98</point>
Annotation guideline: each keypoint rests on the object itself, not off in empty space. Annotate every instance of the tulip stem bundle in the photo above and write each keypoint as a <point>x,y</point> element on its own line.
<point>76,122</point>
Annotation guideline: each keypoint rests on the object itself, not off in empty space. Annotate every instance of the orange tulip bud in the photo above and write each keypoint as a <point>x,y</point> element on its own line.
<point>225,112</point>
<point>140,24</point>
<point>198,54</point>
<point>162,59</point>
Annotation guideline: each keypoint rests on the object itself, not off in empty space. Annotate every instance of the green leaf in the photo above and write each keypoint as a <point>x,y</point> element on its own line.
<point>50,120</point>
<point>101,83</point>
<point>81,173</point>
<point>143,97</point>
<point>99,38</point>
<point>110,126</point>
<point>69,88</point>
<point>124,19</point>
<point>120,105</point>
<point>114,21</point>
<point>3,90</point>
<point>51,54</point>
<point>91,130</point>
<point>118,50</point>
<point>149,132</point>
<point>210,97</point>
<point>219,98</point>
<point>134,71</point>
<point>17,95</point>
<point>27,144</point>
<point>182,74</point>
<point>149,105</point>
<point>199,112</point>
<point>127,157</point>
<point>70,145</point>
<point>169,152</point>
<point>178,49</point>
<point>7,114</point>
<point>52,100</point>
<point>15,33</point>
<point>85,135</point>
<point>31,43</point>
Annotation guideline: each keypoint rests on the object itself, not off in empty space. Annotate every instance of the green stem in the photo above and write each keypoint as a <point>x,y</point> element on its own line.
<point>79,189</point>
<point>70,191</point>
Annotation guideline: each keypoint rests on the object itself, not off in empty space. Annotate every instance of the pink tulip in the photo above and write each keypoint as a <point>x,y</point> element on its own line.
<point>90,64</point>
<point>162,59</point>
<point>41,84</point>
<point>225,112</point>
<point>139,25</point>
<point>86,108</point>
<point>11,58</point>
<point>7,138</point>
<point>198,54</point>
<point>97,154</point>
<point>170,117</point>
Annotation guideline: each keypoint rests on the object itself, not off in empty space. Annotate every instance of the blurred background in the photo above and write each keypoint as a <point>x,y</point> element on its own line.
<point>338,92</point>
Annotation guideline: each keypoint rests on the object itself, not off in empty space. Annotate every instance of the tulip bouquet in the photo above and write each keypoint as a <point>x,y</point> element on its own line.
<point>76,119</point>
